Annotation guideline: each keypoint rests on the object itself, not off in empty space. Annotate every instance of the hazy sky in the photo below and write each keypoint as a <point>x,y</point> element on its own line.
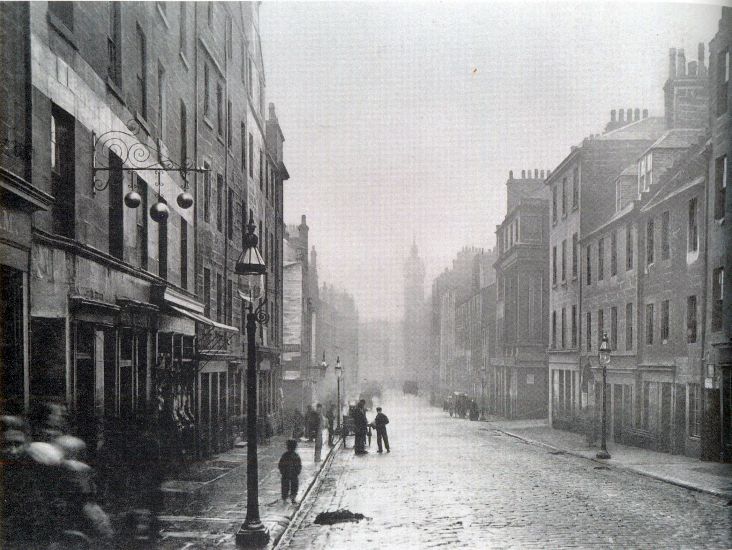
<point>405,119</point>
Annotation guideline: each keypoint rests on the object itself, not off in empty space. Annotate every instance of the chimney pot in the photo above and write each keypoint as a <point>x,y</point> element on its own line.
<point>303,219</point>
<point>621,115</point>
<point>523,174</point>
<point>672,63</point>
<point>636,114</point>
<point>612,115</point>
<point>645,113</point>
<point>510,174</point>
<point>628,116</point>
<point>536,173</point>
<point>681,63</point>
<point>548,173</point>
<point>692,68</point>
<point>542,174</point>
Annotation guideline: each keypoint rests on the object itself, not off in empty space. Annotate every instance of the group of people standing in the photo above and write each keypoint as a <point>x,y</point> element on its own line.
<point>290,464</point>
<point>362,425</point>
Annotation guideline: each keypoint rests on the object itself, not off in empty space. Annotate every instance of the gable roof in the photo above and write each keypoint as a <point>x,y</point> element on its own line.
<point>678,138</point>
<point>646,128</point>
<point>687,172</point>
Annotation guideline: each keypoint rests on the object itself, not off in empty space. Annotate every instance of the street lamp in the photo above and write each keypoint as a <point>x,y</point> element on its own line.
<point>339,372</point>
<point>482,390</point>
<point>604,358</point>
<point>250,264</point>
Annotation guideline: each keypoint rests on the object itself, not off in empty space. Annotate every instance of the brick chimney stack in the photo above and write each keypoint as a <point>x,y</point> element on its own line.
<point>686,92</point>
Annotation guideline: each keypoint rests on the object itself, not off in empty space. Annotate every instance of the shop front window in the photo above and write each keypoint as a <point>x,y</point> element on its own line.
<point>12,376</point>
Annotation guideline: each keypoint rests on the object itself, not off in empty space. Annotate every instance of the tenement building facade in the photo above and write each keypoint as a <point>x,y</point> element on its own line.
<point>582,193</point>
<point>518,381</point>
<point>717,375</point>
<point>144,148</point>
<point>643,282</point>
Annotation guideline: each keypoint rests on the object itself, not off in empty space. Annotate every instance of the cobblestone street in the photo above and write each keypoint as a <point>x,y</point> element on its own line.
<point>455,483</point>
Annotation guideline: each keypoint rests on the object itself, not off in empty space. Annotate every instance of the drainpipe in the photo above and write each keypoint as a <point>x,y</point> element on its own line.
<point>578,327</point>
<point>705,260</point>
<point>228,312</point>
<point>226,180</point>
<point>196,263</point>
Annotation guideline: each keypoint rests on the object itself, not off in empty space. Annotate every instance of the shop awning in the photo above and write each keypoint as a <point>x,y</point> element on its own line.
<point>203,319</point>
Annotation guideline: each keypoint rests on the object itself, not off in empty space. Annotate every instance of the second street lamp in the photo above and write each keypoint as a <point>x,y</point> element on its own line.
<point>482,391</point>
<point>252,533</point>
<point>339,372</point>
<point>604,359</point>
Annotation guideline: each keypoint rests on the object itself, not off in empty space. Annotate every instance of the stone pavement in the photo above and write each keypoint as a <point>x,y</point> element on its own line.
<point>708,477</point>
<point>459,484</point>
<point>205,507</point>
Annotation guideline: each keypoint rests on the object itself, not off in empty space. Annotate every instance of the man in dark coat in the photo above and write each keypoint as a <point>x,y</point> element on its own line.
<point>360,426</point>
<point>380,423</point>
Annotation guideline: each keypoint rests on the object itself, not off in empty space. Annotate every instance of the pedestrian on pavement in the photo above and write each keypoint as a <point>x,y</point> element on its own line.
<point>360,427</point>
<point>379,424</point>
<point>590,421</point>
<point>330,417</point>
<point>290,467</point>
<point>319,423</point>
<point>310,423</point>
<point>298,424</point>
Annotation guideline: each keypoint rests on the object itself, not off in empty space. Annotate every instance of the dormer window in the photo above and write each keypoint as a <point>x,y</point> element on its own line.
<point>645,176</point>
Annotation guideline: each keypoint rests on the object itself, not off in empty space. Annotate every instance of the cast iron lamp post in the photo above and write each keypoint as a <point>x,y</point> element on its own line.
<point>482,390</point>
<point>604,358</point>
<point>250,264</point>
<point>339,372</point>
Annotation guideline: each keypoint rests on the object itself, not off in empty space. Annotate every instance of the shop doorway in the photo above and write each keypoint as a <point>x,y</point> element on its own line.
<point>679,439</point>
<point>12,369</point>
<point>617,412</point>
<point>664,424</point>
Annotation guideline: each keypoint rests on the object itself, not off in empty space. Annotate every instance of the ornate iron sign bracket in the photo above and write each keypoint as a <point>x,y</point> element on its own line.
<point>137,156</point>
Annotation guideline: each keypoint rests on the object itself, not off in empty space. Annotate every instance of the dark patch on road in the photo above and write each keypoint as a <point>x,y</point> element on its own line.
<point>339,516</point>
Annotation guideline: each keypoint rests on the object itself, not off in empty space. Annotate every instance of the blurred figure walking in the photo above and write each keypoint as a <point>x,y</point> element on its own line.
<point>319,423</point>
<point>360,427</point>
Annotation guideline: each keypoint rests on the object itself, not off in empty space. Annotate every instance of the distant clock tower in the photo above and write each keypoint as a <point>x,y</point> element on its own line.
<point>413,333</point>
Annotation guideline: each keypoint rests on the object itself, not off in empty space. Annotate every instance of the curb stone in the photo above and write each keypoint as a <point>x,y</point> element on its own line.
<point>621,467</point>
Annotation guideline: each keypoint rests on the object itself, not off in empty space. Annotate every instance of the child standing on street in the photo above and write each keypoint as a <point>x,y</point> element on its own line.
<point>290,467</point>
